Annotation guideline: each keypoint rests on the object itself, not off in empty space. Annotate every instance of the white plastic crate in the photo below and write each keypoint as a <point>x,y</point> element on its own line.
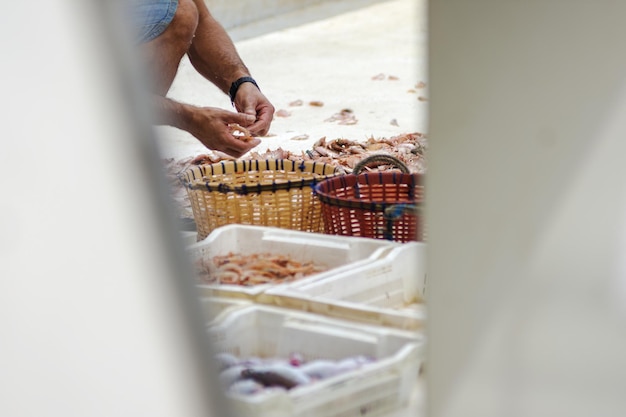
<point>335,253</point>
<point>387,291</point>
<point>214,307</point>
<point>271,332</point>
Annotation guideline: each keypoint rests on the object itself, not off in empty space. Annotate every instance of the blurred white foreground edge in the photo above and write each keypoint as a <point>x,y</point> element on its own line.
<point>526,209</point>
<point>93,322</point>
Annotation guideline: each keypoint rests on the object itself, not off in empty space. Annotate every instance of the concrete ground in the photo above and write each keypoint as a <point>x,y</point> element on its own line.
<point>369,59</point>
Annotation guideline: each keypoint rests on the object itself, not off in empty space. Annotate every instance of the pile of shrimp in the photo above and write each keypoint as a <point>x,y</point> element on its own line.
<point>410,148</point>
<point>253,269</point>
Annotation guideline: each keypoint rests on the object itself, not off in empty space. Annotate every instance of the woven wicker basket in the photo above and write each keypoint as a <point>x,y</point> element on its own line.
<point>377,204</point>
<point>276,193</point>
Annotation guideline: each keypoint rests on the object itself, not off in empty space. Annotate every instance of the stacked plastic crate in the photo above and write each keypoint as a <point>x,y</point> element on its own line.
<point>368,302</point>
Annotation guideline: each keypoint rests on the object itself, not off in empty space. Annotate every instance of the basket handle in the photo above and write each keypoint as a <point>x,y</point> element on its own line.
<point>394,212</point>
<point>380,158</point>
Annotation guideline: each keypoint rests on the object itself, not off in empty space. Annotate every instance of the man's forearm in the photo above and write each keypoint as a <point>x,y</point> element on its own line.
<point>171,113</point>
<point>212,52</point>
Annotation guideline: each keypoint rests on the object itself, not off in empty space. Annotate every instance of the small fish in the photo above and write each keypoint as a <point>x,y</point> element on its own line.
<point>320,369</point>
<point>269,378</point>
<point>354,362</point>
<point>230,375</point>
<point>225,360</point>
<point>245,387</point>
<point>277,375</point>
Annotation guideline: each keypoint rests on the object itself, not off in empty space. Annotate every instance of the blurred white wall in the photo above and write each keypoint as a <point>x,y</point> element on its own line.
<point>94,316</point>
<point>526,208</point>
<point>277,14</point>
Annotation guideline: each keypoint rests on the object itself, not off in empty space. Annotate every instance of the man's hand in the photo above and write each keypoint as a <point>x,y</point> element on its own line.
<point>210,125</point>
<point>249,100</point>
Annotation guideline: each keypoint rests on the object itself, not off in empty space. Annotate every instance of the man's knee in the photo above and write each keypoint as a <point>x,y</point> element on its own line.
<point>185,20</point>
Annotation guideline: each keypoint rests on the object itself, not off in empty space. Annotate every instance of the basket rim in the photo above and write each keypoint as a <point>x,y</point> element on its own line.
<point>375,205</point>
<point>320,171</point>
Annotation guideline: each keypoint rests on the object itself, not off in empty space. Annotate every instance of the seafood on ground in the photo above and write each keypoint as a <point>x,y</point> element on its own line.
<point>343,117</point>
<point>300,137</point>
<point>249,376</point>
<point>382,76</point>
<point>253,269</point>
<point>345,145</point>
<point>283,113</point>
<point>409,148</point>
<point>275,154</point>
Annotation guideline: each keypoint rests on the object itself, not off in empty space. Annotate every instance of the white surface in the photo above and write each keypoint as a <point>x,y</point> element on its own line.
<point>92,323</point>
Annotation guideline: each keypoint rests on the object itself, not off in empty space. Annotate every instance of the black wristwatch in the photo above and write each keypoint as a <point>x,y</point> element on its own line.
<point>235,86</point>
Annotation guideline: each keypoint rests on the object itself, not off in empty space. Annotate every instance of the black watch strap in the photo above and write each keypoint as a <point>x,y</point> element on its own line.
<point>235,86</point>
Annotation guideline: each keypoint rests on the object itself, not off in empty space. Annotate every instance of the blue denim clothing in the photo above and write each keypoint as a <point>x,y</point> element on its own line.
<point>151,17</point>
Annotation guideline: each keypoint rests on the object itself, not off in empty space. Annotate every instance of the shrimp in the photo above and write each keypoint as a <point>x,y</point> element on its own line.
<point>240,132</point>
<point>254,269</point>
